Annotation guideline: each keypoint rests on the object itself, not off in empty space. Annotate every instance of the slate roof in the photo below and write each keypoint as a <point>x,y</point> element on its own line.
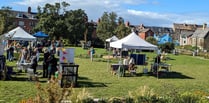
<point>186,33</point>
<point>156,30</point>
<point>201,33</point>
<point>20,14</point>
<point>143,30</point>
<point>186,26</point>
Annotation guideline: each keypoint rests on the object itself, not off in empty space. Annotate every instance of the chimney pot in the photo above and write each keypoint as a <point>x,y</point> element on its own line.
<point>29,10</point>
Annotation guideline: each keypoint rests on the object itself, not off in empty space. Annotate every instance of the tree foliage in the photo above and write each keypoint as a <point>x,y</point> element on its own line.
<point>6,19</point>
<point>121,30</point>
<point>167,47</point>
<point>51,20</point>
<point>76,24</point>
<point>151,40</point>
<point>57,22</point>
<point>106,26</point>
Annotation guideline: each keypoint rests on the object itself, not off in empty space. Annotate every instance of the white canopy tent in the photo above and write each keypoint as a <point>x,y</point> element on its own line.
<point>132,41</point>
<point>109,40</point>
<point>20,34</point>
<point>112,39</point>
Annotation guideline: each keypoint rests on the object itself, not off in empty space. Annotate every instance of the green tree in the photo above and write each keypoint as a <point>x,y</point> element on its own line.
<point>51,20</point>
<point>151,40</point>
<point>167,47</point>
<point>106,26</point>
<point>6,19</point>
<point>75,21</point>
<point>121,30</point>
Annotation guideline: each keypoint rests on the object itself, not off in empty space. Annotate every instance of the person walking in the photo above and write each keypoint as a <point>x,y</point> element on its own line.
<point>92,52</point>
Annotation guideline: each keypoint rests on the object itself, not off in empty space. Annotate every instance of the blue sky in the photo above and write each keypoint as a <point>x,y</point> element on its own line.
<point>147,12</point>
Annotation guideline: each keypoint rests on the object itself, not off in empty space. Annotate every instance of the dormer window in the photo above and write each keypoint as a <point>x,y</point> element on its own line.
<point>20,15</point>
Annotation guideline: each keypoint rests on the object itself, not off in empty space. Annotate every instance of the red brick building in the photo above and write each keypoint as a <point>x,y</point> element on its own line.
<point>26,20</point>
<point>144,33</point>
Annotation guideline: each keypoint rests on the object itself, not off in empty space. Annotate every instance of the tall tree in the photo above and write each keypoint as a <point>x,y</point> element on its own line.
<point>75,21</point>
<point>6,19</point>
<point>107,25</point>
<point>121,30</point>
<point>51,19</point>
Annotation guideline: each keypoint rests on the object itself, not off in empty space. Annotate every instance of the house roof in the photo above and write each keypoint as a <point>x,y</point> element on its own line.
<point>156,30</point>
<point>201,33</point>
<point>186,33</point>
<point>186,26</point>
<point>21,14</point>
<point>161,30</point>
<point>143,30</point>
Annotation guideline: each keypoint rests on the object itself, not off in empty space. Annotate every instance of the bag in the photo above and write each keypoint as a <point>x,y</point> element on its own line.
<point>49,67</point>
<point>93,51</point>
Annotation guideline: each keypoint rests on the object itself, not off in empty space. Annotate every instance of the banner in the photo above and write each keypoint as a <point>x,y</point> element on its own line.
<point>66,55</point>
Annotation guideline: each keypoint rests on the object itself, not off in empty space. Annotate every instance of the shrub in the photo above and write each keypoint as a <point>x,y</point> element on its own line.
<point>167,47</point>
<point>144,95</point>
<point>52,93</point>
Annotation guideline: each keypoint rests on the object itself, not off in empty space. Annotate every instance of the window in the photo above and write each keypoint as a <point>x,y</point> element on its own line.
<point>32,24</point>
<point>21,23</point>
<point>19,15</point>
<point>149,34</point>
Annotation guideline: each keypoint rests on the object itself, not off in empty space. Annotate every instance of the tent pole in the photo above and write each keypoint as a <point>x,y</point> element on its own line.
<point>108,58</point>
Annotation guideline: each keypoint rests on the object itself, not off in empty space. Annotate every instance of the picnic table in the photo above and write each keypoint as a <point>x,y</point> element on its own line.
<point>119,69</point>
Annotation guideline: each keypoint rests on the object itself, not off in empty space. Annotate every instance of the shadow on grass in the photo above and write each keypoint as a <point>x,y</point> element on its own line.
<point>87,84</point>
<point>22,76</point>
<point>169,75</point>
<point>18,79</point>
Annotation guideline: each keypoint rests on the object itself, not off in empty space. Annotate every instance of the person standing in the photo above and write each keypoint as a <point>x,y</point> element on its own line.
<point>34,62</point>
<point>45,63</point>
<point>92,52</point>
<point>23,55</point>
<point>52,65</point>
<point>114,53</point>
<point>11,53</point>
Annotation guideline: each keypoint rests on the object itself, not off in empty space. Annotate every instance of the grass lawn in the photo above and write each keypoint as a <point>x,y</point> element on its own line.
<point>188,73</point>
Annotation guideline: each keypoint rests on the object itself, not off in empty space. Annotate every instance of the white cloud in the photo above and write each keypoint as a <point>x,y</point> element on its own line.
<point>95,9</point>
<point>167,19</point>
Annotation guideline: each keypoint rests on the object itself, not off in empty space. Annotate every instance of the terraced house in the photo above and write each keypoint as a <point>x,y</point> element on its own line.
<point>26,20</point>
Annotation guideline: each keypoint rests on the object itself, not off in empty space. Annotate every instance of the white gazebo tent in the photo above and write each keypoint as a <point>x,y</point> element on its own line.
<point>112,39</point>
<point>132,41</point>
<point>109,40</point>
<point>20,34</point>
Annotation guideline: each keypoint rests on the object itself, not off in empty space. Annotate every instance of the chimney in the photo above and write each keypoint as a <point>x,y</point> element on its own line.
<point>142,26</point>
<point>29,10</point>
<point>204,26</point>
<point>98,21</point>
<point>127,24</point>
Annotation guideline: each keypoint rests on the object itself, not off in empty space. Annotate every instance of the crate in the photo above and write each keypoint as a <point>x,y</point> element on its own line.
<point>69,75</point>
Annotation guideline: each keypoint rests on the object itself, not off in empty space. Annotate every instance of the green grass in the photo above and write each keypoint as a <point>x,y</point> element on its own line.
<point>188,74</point>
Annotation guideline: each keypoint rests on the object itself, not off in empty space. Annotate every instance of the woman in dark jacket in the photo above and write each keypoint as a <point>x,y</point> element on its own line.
<point>45,63</point>
<point>52,65</point>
